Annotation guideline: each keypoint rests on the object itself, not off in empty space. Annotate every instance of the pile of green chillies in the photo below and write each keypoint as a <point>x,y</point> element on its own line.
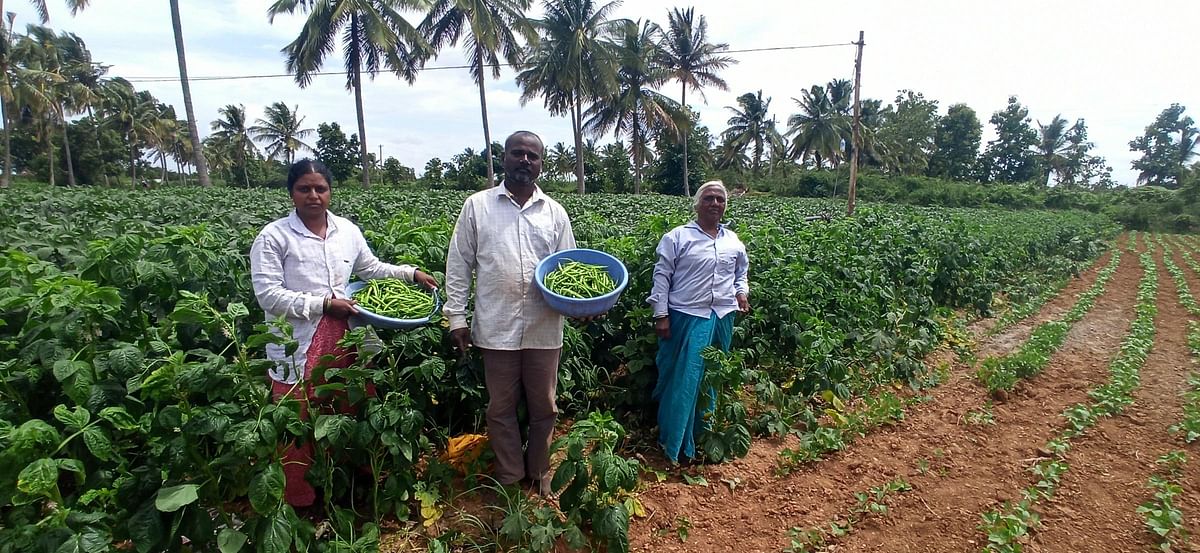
<point>579,280</point>
<point>395,298</point>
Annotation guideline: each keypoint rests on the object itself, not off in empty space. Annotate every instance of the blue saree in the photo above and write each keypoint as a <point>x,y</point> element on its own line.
<point>680,372</point>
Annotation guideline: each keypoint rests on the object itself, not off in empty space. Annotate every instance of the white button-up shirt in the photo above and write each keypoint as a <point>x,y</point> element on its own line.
<point>294,270</point>
<point>500,243</point>
<point>698,274</point>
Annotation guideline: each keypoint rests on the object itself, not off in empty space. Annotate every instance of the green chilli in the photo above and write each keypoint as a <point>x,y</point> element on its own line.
<point>394,298</point>
<point>577,280</point>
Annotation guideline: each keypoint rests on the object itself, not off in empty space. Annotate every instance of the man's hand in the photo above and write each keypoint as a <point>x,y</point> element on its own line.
<point>341,308</point>
<point>423,278</point>
<point>662,327</point>
<point>462,339</point>
<point>585,320</point>
<point>743,303</point>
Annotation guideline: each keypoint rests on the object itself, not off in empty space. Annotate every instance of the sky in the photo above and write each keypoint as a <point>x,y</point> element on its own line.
<point>1117,64</point>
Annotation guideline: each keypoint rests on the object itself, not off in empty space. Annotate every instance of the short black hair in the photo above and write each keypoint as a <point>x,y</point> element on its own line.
<point>525,133</point>
<point>305,167</point>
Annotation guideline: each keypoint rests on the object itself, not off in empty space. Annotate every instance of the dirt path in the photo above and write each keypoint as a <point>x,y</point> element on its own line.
<point>956,468</point>
<point>1012,337</point>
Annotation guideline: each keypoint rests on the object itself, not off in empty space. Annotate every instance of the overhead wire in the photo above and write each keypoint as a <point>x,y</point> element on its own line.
<point>441,67</point>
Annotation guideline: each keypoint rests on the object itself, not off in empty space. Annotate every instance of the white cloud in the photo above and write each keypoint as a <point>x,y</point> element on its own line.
<point>1114,63</point>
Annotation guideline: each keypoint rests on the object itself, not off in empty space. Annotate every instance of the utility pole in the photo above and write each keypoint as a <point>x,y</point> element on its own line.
<point>856,137</point>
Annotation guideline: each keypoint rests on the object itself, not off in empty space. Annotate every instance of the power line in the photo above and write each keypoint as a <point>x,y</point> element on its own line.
<point>440,67</point>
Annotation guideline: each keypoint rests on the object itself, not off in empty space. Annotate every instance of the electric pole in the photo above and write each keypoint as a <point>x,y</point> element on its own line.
<point>856,138</point>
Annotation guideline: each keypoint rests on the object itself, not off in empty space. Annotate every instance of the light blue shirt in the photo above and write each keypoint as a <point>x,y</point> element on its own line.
<point>697,274</point>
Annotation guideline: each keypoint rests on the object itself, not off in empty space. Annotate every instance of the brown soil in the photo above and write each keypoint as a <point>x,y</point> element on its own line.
<point>1096,507</point>
<point>957,469</point>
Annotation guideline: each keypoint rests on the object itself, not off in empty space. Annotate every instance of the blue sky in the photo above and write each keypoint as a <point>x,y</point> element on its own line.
<point>1116,64</point>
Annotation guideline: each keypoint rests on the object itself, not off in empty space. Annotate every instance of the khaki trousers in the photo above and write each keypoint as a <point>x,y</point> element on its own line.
<point>508,374</point>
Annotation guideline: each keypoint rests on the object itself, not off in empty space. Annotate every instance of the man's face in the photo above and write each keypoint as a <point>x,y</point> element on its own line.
<point>712,205</point>
<point>522,159</point>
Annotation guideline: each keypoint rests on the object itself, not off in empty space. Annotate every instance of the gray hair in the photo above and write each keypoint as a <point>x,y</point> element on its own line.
<point>710,184</point>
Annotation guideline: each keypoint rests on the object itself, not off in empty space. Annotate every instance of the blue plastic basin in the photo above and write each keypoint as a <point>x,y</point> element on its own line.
<point>379,321</point>
<point>579,308</point>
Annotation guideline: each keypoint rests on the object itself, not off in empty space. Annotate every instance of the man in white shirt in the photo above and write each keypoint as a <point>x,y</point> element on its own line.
<point>501,235</point>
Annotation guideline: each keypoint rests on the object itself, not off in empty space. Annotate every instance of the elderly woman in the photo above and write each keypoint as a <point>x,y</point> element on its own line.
<point>700,279</point>
<point>300,266</point>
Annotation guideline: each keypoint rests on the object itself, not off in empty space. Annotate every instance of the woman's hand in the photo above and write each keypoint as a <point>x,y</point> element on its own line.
<point>341,308</point>
<point>422,278</point>
<point>743,303</point>
<point>662,327</point>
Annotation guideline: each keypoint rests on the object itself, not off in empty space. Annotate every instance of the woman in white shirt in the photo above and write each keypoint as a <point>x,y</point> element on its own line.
<point>300,266</point>
<point>700,281</point>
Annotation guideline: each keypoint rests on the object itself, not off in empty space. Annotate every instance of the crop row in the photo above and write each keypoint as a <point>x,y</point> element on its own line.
<point>1006,528</point>
<point>999,374</point>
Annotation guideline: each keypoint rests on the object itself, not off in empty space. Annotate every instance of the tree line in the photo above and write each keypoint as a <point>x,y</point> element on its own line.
<point>607,75</point>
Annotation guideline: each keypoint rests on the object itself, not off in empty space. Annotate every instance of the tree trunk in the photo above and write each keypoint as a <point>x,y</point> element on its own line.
<point>197,148</point>
<point>687,132</point>
<point>132,161</point>
<point>577,126</point>
<point>162,157</point>
<point>67,153</point>
<point>358,105</point>
<point>487,132</point>
<point>99,150</point>
<point>4,179</point>
<point>50,151</point>
<point>637,153</point>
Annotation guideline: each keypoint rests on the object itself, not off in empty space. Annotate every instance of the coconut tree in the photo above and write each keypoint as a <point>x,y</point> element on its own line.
<point>163,132</point>
<point>694,62</point>
<point>283,130</point>
<point>636,106</point>
<point>493,30</point>
<point>558,160</point>
<point>181,150</point>
<point>132,114</point>
<point>752,127</point>
<point>40,88</point>
<point>232,129</point>
<point>819,129</point>
<point>573,62</point>
<point>374,35</point>
<point>193,130</point>
<point>177,28</point>
<point>1052,148</point>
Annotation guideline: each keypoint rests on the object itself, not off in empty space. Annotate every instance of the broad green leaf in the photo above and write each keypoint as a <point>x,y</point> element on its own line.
<point>173,498</point>
<point>34,435</point>
<point>335,428</point>
<point>237,310</point>
<point>74,420</point>
<point>39,477</point>
<point>266,489</point>
<point>98,443</point>
<point>146,528</point>
<point>563,475</point>
<point>125,361</point>
<point>66,368</point>
<point>612,524</point>
<point>276,534</point>
<point>90,540</point>
<point>119,418</point>
<point>230,540</point>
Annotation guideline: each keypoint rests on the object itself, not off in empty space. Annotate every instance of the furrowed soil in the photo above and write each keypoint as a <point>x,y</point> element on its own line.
<point>1095,508</point>
<point>958,464</point>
